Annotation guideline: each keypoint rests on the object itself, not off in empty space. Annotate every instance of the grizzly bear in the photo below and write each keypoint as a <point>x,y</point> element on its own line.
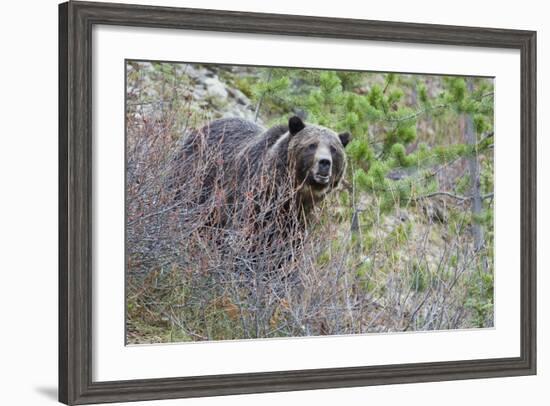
<point>282,172</point>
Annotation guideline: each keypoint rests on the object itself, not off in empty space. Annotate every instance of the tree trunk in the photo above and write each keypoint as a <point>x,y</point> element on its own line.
<point>257,112</point>
<point>473,166</point>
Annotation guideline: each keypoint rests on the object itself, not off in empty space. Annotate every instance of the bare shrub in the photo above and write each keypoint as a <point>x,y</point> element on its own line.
<point>208,264</point>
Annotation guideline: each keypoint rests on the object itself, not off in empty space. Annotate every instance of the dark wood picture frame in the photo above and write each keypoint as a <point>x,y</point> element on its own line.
<point>76,20</point>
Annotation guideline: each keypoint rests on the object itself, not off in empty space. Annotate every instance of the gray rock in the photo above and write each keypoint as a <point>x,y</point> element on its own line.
<point>199,92</point>
<point>239,96</point>
<point>215,88</point>
<point>190,71</point>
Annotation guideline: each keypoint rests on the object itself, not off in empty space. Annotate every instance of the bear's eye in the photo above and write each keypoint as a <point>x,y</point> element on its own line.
<point>312,146</point>
<point>333,149</point>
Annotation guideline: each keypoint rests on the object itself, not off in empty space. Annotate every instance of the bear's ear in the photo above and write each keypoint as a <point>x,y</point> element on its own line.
<point>295,125</point>
<point>344,138</point>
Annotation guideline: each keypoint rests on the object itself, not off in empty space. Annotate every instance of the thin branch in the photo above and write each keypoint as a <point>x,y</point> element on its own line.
<point>416,114</point>
<point>457,197</point>
<point>426,110</point>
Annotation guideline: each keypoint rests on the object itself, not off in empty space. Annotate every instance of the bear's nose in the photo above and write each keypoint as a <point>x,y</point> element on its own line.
<point>324,166</point>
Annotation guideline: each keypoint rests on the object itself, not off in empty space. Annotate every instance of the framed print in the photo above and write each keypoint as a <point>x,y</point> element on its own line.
<point>260,202</point>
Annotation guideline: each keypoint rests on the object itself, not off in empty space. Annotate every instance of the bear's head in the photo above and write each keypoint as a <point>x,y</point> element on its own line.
<point>318,156</point>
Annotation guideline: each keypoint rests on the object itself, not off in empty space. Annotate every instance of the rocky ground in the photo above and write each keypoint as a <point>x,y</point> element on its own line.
<point>198,86</point>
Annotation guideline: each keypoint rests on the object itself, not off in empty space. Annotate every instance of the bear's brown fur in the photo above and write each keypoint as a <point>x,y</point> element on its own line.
<point>288,167</point>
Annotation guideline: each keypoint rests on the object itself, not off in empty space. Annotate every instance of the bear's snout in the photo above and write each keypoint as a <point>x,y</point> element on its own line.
<point>322,171</point>
<point>324,167</point>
